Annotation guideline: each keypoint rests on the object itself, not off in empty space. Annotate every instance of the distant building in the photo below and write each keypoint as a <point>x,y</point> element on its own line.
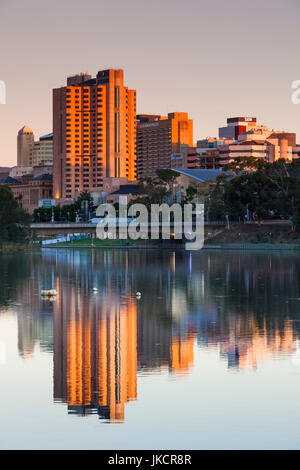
<point>161,140</point>
<point>4,172</point>
<point>19,171</point>
<point>28,190</point>
<point>202,180</point>
<point>236,126</point>
<point>283,143</point>
<point>243,138</point>
<point>242,149</point>
<point>42,151</point>
<point>191,158</point>
<point>208,153</point>
<point>112,186</point>
<point>296,151</point>
<point>94,126</point>
<point>270,150</point>
<point>31,152</point>
<point>41,169</point>
<point>25,141</point>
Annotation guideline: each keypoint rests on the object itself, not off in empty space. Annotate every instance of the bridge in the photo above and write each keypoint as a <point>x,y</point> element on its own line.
<point>48,229</point>
<point>51,229</point>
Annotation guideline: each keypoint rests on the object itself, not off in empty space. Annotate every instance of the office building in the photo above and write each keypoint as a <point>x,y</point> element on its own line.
<point>32,153</point>
<point>42,152</point>
<point>161,140</point>
<point>236,126</point>
<point>29,189</point>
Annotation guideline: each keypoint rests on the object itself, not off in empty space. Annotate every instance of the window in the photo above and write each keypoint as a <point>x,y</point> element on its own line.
<point>117,132</point>
<point>117,97</point>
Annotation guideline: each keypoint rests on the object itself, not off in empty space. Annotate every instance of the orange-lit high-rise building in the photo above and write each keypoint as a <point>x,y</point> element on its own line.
<point>161,139</point>
<point>94,127</point>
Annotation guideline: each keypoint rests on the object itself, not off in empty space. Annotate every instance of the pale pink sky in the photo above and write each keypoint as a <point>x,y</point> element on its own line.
<point>211,58</point>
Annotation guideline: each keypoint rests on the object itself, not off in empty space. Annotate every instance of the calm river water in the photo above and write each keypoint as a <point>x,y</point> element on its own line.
<point>207,358</point>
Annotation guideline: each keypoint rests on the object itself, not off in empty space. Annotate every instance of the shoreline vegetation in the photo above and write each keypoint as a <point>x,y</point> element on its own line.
<point>14,246</point>
<point>241,236</point>
<point>238,237</point>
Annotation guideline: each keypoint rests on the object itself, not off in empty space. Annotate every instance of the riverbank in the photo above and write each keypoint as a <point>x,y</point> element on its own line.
<point>97,243</point>
<point>254,234</point>
<point>252,246</point>
<point>13,247</point>
<point>238,237</point>
<point>146,244</point>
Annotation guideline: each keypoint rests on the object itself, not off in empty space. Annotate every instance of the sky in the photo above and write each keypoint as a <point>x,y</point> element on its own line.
<point>211,58</point>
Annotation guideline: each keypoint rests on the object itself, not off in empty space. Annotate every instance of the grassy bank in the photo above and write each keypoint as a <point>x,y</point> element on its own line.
<point>13,247</point>
<point>252,246</point>
<point>243,234</point>
<point>88,243</point>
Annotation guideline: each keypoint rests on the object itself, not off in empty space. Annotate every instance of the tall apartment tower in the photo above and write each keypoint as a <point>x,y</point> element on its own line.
<point>94,129</point>
<point>25,142</point>
<point>160,139</point>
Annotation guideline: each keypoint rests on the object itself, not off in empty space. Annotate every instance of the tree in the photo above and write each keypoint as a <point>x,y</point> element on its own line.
<point>42,214</point>
<point>267,189</point>
<point>215,207</point>
<point>190,193</point>
<point>168,176</point>
<point>14,221</point>
<point>85,196</point>
<point>151,191</point>
<point>61,214</point>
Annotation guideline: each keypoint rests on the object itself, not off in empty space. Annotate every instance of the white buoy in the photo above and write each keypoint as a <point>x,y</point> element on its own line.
<point>95,289</point>
<point>138,295</point>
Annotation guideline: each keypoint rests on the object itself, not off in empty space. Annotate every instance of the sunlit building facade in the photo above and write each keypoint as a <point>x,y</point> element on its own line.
<point>94,126</point>
<point>25,142</point>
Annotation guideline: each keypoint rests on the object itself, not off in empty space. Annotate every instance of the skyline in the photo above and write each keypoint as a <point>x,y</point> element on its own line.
<point>204,58</point>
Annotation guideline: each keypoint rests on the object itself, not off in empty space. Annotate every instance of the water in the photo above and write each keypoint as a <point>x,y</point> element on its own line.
<point>208,357</point>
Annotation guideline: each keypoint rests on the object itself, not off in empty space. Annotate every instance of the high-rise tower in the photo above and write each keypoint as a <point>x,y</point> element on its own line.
<point>94,127</point>
<point>25,146</point>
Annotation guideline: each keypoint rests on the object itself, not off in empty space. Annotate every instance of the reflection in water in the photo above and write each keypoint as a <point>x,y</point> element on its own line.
<point>244,305</point>
<point>95,353</point>
<point>246,351</point>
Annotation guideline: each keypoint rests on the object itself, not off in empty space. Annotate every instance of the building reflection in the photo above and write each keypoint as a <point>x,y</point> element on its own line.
<point>35,320</point>
<point>248,352</point>
<point>242,307</point>
<point>95,352</point>
<point>182,354</point>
